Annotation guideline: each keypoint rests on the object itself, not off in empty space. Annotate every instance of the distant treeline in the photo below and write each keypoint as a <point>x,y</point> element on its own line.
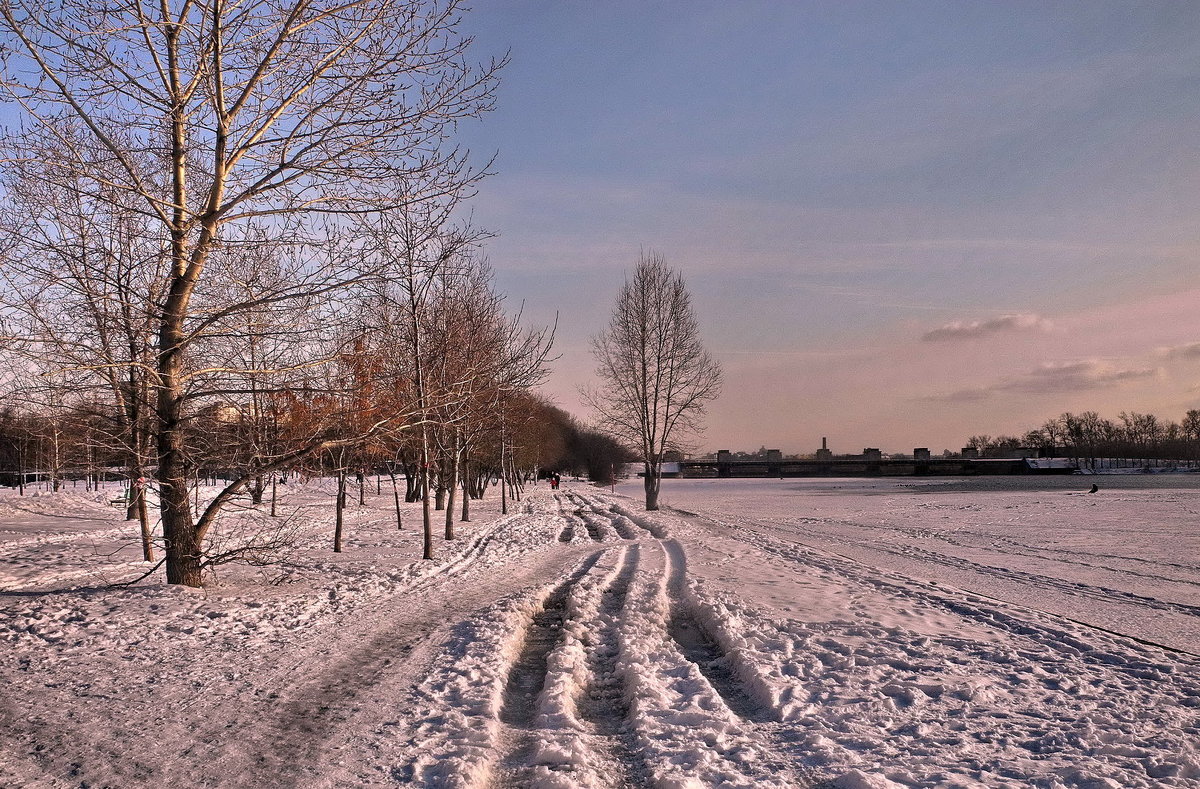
<point>77,444</point>
<point>1088,437</point>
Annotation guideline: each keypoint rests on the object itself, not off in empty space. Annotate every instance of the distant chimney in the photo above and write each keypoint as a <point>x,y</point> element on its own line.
<point>823,444</point>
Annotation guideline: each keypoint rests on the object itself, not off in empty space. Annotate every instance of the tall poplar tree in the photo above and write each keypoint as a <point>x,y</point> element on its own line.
<point>656,377</point>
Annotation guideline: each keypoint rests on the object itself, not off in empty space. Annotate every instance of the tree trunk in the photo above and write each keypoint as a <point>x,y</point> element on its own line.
<point>362,488</point>
<point>182,541</point>
<point>135,473</point>
<point>426,518</point>
<point>451,489</point>
<point>183,555</point>
<point>143,512</point>
<point>412,485</point>
<point>56,462</point>
<point>466,502</point>
<point>503,489</point>
<point>652,483</point>
<point>274,492</point>
<point>396,496</point>
<point>339,510</point>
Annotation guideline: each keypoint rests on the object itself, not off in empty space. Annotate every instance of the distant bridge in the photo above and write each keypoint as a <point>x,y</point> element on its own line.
<point>869,467</point>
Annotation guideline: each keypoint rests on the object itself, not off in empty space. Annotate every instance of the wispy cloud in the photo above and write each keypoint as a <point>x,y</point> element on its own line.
<point>1074,377</point>
<point>798,353</point>
<point>1055,378</point>
<point>963,396</point>
<point>1189,350</point>
<point>975,329</point>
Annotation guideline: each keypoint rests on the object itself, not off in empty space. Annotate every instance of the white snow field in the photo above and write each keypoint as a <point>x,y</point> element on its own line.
<point>860,634</point>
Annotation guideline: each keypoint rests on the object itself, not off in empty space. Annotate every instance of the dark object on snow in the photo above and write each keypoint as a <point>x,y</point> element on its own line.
<point>1095,488</point>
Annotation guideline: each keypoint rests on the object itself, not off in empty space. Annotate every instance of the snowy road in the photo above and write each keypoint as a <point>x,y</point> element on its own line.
<point>761,636</point>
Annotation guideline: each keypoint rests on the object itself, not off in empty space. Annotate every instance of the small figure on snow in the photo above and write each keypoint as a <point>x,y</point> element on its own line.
<point>1095,488</point>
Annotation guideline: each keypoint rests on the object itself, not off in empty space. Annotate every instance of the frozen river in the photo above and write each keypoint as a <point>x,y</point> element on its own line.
<point>1126,558</point>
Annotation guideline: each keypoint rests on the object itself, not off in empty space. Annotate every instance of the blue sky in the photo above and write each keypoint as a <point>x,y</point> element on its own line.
<point>838,180</point>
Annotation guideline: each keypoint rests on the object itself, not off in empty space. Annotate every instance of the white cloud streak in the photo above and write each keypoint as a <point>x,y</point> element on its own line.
<point>1056,378</point>
<point>1189,350</point>
<point>975,329</point>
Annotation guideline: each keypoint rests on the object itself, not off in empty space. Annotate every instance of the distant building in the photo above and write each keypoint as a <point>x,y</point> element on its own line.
<point>921,454</point>
<point>823,453</point>
<point>872,454</point>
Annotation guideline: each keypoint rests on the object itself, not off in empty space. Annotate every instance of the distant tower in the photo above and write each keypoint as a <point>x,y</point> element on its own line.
<point>823,453</point>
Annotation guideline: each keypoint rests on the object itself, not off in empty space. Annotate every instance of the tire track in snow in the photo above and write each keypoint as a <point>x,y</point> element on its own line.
<point>283,738</point>
<point>1051,684</point>
<point>621,527</point>
<point>422,582</point>
<point>602,703</point>
<point>978,607</point>
<point>1018,549</point>
<point>1089,560</point>
<point>599,521</point>
<point>751,528</point>
<point>527,675</point>
<point>526,680</point>
<point>624,521</point>
<point>567,533</point>
<point>593,529</point>
<point>656,530</point>
<point>702,648</point>
<point>1074,588</point>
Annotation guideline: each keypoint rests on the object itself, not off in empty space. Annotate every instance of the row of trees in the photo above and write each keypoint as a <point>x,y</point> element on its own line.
<point>227,439</point>
<point>1089,437</point>
<point>73,448</point>
<point>234,231</point>
<point>248,211</point>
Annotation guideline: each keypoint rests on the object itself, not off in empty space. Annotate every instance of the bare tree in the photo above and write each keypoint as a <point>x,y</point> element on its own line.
<point>79,280</point>
<point>209,117</point>
<point>418,245</point>
<point>656,378</point>
<point>484,354</point>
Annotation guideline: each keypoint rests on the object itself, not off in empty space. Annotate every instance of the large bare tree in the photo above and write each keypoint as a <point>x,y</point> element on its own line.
<point>213,119</point>
<point>655,376</point>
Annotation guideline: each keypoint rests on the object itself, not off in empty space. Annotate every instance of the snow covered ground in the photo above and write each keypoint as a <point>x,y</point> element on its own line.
<point>773,633</point>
